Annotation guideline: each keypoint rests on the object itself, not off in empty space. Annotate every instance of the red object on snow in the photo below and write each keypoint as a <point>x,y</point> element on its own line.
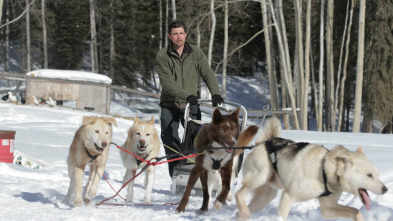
<point>7,138</point>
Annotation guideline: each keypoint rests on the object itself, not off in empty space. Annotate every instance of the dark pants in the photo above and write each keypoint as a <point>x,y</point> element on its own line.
<point>171,117</point>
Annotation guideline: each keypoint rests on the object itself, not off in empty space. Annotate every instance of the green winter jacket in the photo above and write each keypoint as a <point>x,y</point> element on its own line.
<point>179,78</point>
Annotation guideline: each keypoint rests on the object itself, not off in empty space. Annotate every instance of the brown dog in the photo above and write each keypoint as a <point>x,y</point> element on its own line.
<point>90,146</point>
<point>222,132</point>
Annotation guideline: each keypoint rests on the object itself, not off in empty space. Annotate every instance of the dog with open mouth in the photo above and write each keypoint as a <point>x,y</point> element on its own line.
<point>90,146</point>
<point>144,142</point>
<point>214,146</point>
<point>303,171</point>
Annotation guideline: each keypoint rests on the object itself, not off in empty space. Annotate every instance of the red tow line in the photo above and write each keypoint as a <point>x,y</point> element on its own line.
<point>148,163</point>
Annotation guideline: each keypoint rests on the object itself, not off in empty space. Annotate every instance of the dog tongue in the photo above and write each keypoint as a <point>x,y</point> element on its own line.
<point>365,198</point>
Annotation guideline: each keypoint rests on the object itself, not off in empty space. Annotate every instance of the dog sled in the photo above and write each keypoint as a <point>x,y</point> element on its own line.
<point>181,172</point>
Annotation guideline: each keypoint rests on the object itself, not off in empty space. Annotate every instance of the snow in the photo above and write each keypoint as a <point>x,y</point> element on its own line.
<point>70,75</point>
<point>45,134</point>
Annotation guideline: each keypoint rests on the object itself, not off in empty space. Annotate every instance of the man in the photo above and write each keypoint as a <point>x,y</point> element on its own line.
<point>180,66</point>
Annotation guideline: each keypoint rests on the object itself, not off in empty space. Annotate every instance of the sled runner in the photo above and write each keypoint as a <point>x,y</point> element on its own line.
<point>182,171</point>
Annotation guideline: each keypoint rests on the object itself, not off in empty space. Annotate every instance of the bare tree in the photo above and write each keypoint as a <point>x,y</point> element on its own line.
<point>7,40</point>
<point>166,20</point>
<point>285,63</point>
<point>28,46</point>
<point>341,98</point>
<point>112,51</point>
<point>173,10</point>
<point>1,9</point>
<point>268,49</point>
<point>359,69</point>
<point>44,35</point>
<point>319,100</point>
<point>93,38</point>
<point>225,61</point>
<point>330,68</point>
<point>304,108</point>
<point>212,31</point>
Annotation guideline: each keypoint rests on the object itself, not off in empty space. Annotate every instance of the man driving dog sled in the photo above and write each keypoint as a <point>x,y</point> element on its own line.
<point>180,67</point>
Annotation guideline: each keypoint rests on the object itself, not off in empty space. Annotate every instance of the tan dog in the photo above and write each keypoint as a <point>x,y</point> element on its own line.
<point>143,141</point>
<point>90,146</point>
<point>222,132</point>
<point>303,171</point>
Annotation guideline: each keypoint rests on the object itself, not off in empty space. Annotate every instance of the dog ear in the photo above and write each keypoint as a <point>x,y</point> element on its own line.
<point>151,120</point>
<point>217,117</point>
<point>341,165</point>
<point>360,151</point>
<point>88,120</point>
<point>111,120</point>
<point>136,119</point>
<point>235,114</point>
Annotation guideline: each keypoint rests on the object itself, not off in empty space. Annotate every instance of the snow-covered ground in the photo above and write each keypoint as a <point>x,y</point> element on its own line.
<point>45,134</point>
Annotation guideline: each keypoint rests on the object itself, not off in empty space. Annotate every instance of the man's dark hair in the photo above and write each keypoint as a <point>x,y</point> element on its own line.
<point>177,24</point>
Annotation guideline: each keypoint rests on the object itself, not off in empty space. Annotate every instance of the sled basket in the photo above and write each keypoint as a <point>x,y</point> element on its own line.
<point>192,127</point>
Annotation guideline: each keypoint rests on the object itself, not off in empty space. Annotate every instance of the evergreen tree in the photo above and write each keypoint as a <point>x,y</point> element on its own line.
<point>378,95</point>
<point>68,23</point>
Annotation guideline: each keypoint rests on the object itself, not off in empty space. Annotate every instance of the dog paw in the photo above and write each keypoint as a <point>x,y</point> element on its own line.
<point>78,203</point>
<point>147,202</point>
<point>241,217</point>
<point>87,202</point>
<point>201,211</point>
<point>218,205</point>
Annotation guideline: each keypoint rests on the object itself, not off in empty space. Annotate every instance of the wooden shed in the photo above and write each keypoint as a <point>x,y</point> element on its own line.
<point>91,91</point>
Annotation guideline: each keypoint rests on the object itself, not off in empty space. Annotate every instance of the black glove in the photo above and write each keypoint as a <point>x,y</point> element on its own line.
<point>216,100</point>
<point>192,100</point>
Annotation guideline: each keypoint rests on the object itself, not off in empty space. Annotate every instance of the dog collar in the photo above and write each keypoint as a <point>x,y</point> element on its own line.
<point>91,156</point>
<point>324,176</point>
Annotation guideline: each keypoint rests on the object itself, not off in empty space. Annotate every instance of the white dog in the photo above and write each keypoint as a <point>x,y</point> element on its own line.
<point>303,171</point>
<point>90,146</point>
<point>144,142</point>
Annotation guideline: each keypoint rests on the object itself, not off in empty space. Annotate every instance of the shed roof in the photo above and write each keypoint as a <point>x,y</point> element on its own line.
<point>70,75</point>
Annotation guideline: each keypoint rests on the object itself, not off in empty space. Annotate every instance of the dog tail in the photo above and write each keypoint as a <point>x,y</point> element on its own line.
<point>246,137</point>
<point>272,128</point>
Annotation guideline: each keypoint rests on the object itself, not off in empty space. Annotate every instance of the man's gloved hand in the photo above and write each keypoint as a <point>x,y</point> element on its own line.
<point>216,100</point>
<point>192,100</point>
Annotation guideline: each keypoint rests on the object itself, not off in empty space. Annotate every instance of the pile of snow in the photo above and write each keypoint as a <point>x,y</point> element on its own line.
<point>70,75</point>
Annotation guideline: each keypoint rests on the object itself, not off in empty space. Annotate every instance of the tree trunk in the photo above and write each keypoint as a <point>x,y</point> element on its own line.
<point>7,40</point>
<point>212,31</point>
<point>272,79</point>
<point>330,68</point>
<point>319,101</point>
<point>173,10</point>
<point>284,63</point>
<point>28,57</point>
<point>1,9</point>
<point>166,21</point>
<point>112,51</point>
<point>93,39</point>
<point>299,55</point>
<point>359,69</point>
<point>305,88</point>
<point>341,99</point>
<point>160,22</point>
<point>44,35</point>
<point>224,66</point>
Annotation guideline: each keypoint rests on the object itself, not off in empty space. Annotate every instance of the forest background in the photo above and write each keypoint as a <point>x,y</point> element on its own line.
<point>325,59</point>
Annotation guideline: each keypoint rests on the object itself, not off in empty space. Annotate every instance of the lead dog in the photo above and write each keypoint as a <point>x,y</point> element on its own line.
<point>303,171</point>
<point>89,146</point>
<point>143,141</point>
<point>220,133</point>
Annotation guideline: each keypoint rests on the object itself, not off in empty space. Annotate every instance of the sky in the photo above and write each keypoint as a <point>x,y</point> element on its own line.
<point>44,134</point>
